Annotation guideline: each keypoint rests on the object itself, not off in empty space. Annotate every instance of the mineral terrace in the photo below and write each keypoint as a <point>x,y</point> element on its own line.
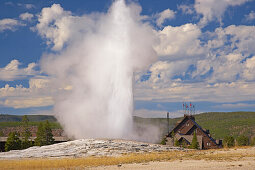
<point>85,148</point>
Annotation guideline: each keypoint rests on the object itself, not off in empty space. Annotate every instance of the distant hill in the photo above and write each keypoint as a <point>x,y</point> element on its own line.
<point>32,118</point>
<point>220,124</point>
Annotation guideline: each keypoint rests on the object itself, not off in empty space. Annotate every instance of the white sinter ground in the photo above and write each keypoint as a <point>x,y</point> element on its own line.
<point>85,148</point>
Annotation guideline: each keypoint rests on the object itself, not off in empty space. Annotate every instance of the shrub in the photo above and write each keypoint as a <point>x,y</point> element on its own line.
<point>229,141</point>
<point>13,142</point>
<point>253,141</point>
<point>242,140</point>
<point>163,142</point>
<point>176,143</point>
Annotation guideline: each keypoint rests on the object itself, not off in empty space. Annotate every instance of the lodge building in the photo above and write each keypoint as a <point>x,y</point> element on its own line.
<point>183,133</point>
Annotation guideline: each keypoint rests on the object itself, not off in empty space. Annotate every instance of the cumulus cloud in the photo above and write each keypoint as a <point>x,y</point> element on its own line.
<point>26,16</point>
<point>12,71</point>
<point>54,25</point>
<point>60,27</point>
<point>38,94</point>
<point>164,15</point>
<point>214,9</point>
<point>9,24</point>
<point>179,41</point>
<point>223,72</point>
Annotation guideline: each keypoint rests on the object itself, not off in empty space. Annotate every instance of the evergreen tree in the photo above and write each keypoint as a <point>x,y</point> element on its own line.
<point>48,133</point>
<point>13,142</point>
<point>229,141</point>
<point>26,134</point>
<point>40,135</point>
<point>194,143</point>
<point>242,140</point>
<point>44,134</point>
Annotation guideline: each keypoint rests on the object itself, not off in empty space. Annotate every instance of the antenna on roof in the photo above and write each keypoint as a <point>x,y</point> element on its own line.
<point>167,116</point>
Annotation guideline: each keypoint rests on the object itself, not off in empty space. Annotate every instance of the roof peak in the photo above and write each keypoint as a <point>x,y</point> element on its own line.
<point>189,116</point>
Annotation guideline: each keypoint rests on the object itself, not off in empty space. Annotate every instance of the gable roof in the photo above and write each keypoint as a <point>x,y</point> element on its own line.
<point>192,118</point>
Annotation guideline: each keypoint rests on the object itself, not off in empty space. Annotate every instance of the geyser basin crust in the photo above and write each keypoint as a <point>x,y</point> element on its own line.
<point>86,148</point>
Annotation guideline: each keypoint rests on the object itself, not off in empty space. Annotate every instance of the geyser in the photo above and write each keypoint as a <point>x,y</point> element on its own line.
<point>95,67</point>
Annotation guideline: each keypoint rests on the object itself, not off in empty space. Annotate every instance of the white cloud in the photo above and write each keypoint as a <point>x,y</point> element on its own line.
<point>214,9</point>
<point>164,15</point>
<point>179,42</point>
<point>12,71</point>
<point>9,24</point>
<point>27,6</point>
<point>235,105</point>
<point>40,93</point>
<point>59,27</point>
<point>224,72</point>
<point>199,91</point>
<point>58,32</point>
<point>26,103</point>
<point>250,16</point>
<point>186,9</point>
<point>26,16</point>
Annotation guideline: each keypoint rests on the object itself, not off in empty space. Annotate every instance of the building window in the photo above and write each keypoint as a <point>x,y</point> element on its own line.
<point>208,144</point>
<point>187,124</point>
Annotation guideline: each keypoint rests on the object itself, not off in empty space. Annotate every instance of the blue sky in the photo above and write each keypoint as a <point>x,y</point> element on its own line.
<point>205,51</point>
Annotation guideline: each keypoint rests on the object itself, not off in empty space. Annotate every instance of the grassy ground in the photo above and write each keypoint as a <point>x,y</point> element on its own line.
<point>77,163</point>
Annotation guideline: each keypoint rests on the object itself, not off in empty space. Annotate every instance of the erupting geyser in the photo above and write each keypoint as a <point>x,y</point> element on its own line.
<point>96,68</point>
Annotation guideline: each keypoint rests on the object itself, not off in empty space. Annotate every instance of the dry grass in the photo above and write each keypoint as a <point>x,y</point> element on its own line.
<point>77,163</point>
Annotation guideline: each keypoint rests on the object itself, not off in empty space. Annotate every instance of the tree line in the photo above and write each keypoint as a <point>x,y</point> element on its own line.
<point>16,141</point>
<point>242,140</point>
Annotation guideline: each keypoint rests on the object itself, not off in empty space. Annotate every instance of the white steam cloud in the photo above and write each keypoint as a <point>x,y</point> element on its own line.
<point>96,57</point>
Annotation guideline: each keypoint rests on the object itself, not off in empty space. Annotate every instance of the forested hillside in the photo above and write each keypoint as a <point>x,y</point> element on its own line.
<point>220,124</point>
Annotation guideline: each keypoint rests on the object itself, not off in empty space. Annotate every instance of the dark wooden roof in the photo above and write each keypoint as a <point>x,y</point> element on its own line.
<point>192,118</point>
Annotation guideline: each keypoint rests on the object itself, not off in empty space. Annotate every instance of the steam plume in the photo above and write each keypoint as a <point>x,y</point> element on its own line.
<point>100,55</point>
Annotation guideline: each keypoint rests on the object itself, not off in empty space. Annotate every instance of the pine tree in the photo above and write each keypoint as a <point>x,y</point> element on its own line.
<point>13,142</point>
<point>40,135</point>
<point>48,133</point>
<point>44,134</point>
<point>26,141</point>
<point>194,143</point>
